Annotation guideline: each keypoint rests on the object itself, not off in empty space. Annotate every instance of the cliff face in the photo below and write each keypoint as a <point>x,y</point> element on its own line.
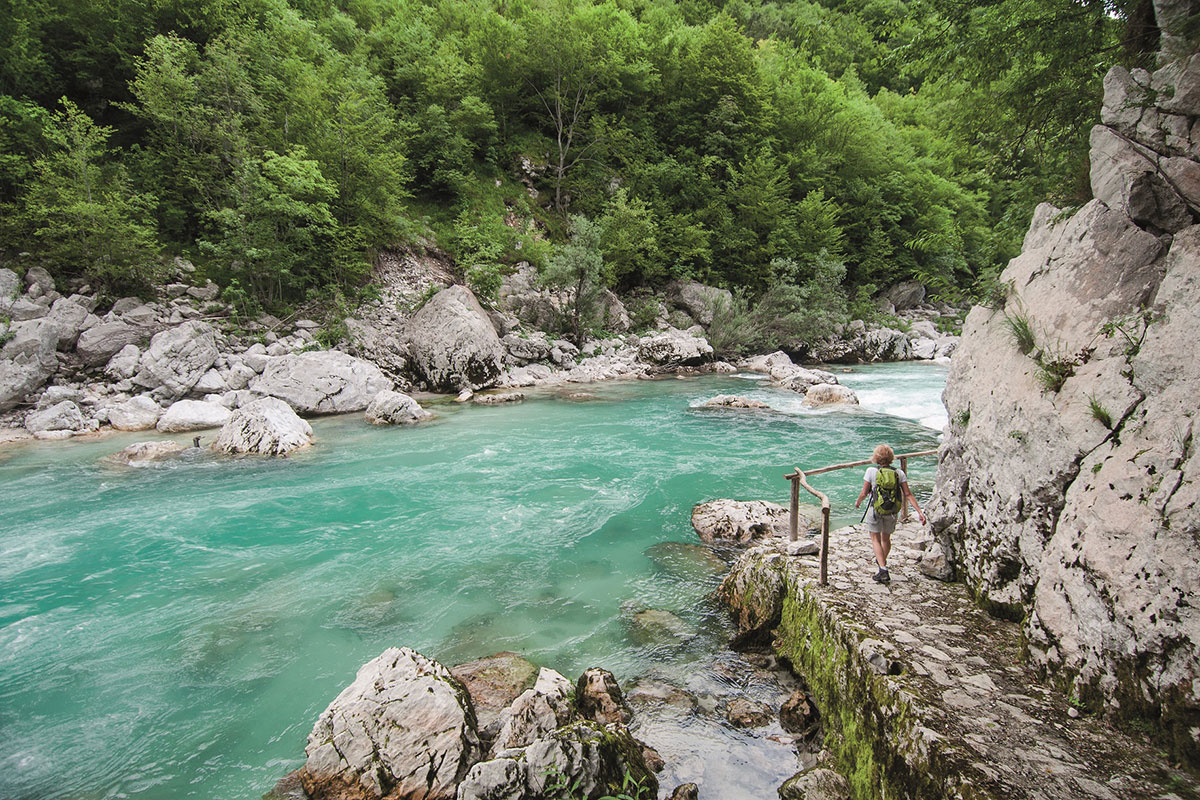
<point>1069,488</point>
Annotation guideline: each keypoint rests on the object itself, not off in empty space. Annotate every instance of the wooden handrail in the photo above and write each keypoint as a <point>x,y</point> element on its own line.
<point>800,478</point>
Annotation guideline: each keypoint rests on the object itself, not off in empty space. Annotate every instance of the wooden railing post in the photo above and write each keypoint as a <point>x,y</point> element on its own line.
<point>904,500</point>
<point>794,520</point>
<point>825,543</point>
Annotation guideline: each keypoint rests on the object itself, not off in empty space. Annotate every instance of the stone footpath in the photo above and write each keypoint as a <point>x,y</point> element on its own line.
<point>923,693</point>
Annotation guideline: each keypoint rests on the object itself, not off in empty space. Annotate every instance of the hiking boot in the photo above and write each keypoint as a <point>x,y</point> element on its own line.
<point>878,577</point>
<point>883,576</point>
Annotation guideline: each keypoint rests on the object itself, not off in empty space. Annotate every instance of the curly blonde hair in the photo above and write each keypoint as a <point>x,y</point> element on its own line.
<point>883,455</point>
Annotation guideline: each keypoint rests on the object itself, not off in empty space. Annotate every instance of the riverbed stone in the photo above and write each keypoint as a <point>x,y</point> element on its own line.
<point>743,521</point>
<point>395,408</point>
<point>745,713</point>
<point>828,394</point>
<point>818,783</point>
<point>321,382</point>
<point>733,401</point>
<point>494,683</point>
<point>403,728</point>
<point>99,343</point>
<point>453,342</point>
<point>177,358</point>
<point>141,453</point>
<point>62,416</point>
<point>192,415</point>
<point>599,698</point>
<point>135,414</point>
<point>267,426</point>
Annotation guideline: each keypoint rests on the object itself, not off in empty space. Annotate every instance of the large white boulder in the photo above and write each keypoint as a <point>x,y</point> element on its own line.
<point>674,348</point>
<point>827,394</point>
<point>69,317</point>
<point>64,416</point>
<point>192,415</point>
<point>744,521</point>
<point>698,300</point>
<point>395,408</point>
<point>453,343</point>
<point>267,426</point>
<point>99,343</point>
<point>135,414</point>
<point>321,382</point>
<point>536,712</point>
<point>27,360</point>
<point>177,358</point>
<point>403,729</point>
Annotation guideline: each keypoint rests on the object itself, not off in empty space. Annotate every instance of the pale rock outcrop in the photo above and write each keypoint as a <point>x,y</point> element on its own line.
<point>404,728</point>
<point>377,340</point>
<point>785,373</point>
<point>69,318</point>
<point>825,394</point>
<point>177,358</point>
<point>9,286</point>
<point>123,365</point>
<point>1071,502</point>
<point>321,382</point>
<point>698,300</point>
<point>536,712</point>
<point>267,426</point>
<point>135,414</point>
<point>24,308</point>
<point>395,408</point>
<point>600,699</point>
<point>192,415</point>
<point>743,521</point>
<point>211,382</point>
<point>99,343</point>
<point>27,360</point>
<point>39,277</point>
<point>674,348</point>
<point>527,349</point>
<point>63,416</point>
<point>494,683</point>
<point>905,295</point>
<point>453,343</point>
<point>141,453</point>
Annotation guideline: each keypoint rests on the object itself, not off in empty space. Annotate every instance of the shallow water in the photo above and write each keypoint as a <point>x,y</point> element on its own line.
<point>173,631</point>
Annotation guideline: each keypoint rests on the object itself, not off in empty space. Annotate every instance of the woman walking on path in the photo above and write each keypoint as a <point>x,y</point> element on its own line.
<point>888,489</point>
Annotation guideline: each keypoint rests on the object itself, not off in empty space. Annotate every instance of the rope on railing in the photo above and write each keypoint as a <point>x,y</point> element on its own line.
<point>800,478</point>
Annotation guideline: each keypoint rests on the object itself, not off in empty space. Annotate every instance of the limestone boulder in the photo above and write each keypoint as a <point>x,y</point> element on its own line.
<point>192,415</point>
<point>99,343</point>
<point>527,349</point>
<point>69,318</point>
<point>754,590</point>
<point>1126,177</point>
<point>599,698</point>
<point>267,426</point>
<point>177,358</point>
<point>64,416</point>
<point>674,348</point>
<point>905,295</point>
<point>733,401</point>
<point>27,360</point>
<point>454,344</point>
<point>537,712</point>
<point>321,382</point>
<point>135,414</point>
<point>826,394</point>
<point>698,300</point>
<point>744,521</point>
<point>124,364</point>
<point>10,284</point>
<point>395,408</point>
<point>403,729</point>
<point>494,683</point>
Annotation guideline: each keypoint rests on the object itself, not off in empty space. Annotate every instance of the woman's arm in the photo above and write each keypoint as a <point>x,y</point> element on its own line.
<point>909,496</point>
<point>863,494</point>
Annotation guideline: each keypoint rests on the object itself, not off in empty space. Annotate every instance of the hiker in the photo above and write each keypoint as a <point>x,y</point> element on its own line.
<point>888,488</point>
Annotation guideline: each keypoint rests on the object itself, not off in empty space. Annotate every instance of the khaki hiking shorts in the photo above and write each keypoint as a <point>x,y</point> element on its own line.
<point>885,524</point>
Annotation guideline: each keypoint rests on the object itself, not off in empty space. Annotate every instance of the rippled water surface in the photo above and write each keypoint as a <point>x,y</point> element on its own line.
<point>174,631</point>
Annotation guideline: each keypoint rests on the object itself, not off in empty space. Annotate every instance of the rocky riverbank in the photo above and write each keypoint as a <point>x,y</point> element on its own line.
<point>185,362</point>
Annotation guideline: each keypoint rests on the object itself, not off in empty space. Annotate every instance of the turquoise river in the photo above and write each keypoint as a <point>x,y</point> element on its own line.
<point>174,631</point>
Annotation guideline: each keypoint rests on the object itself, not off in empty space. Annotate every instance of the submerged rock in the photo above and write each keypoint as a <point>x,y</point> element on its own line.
<point>744,713</point>
<point>404,728</point>
<point>267,426</point>
<point>146,453</point>
<point>815,784</point>
<point>732,401</point>
<point>497,399</point>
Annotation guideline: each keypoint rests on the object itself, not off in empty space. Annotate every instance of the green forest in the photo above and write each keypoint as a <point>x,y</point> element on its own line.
<point>806,153</point>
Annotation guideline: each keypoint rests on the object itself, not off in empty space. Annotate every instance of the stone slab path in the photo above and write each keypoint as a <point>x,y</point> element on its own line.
<point>978,709</point>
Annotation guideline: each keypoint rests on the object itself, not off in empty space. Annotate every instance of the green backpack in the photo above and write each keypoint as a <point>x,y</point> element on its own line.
<point>887,491</point>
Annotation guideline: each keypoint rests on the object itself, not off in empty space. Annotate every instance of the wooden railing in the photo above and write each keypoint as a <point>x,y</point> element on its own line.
<point>800,478</point>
